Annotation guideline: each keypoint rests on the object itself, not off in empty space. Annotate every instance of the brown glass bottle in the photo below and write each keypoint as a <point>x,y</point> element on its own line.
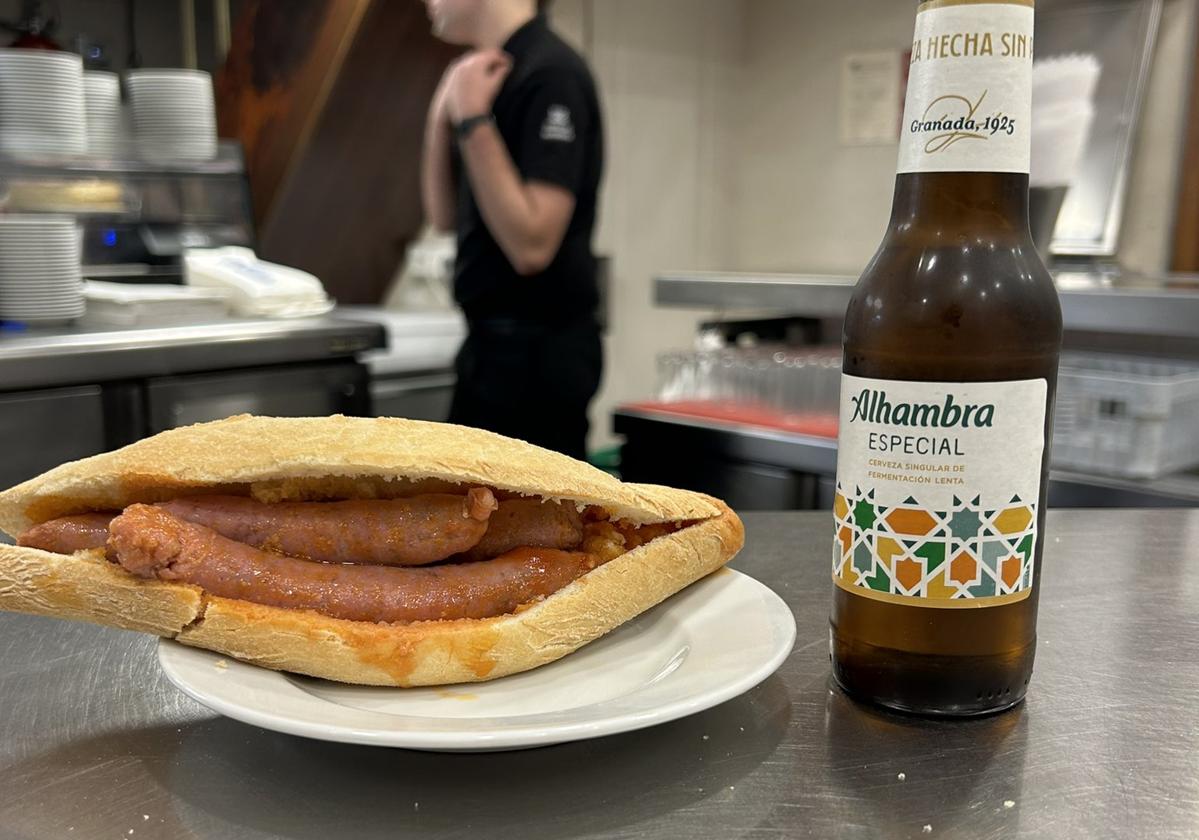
<point>956,294</point>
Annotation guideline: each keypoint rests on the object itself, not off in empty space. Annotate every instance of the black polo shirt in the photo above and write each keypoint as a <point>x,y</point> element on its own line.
<point>549,117</point>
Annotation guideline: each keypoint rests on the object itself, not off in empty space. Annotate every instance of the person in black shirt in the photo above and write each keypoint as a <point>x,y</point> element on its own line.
<point>513,160</point>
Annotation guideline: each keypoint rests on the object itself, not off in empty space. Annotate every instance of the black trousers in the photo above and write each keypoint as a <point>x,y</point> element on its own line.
<point>530,381</point>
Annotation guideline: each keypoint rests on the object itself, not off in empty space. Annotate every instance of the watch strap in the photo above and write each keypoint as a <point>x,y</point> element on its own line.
<point>465,126</point>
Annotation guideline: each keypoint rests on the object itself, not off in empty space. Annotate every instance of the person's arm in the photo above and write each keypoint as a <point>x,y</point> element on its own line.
<point>528,220</point>
<point>526,207</point>
<point>437,176</point>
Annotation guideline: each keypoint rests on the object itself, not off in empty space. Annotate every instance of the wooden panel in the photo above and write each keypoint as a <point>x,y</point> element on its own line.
<point>283,58</point>
<point>1186,225</point>
<point>352,204</point>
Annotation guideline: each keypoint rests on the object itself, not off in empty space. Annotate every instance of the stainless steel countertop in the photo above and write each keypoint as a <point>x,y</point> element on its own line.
<point>1129,305</point>
<point>69,355</point>
<point>94,742</point>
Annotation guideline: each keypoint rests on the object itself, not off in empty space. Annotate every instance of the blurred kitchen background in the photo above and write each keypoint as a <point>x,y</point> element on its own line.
<point>151,275</point>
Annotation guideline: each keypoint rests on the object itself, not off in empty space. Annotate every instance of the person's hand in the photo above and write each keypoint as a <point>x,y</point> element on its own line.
<point>474,82</point>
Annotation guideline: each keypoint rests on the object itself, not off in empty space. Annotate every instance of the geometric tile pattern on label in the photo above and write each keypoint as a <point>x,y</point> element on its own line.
<point>970,551</point>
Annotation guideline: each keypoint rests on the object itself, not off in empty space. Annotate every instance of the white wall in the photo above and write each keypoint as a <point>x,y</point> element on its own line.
<point>667,74</point>
<point>809,203</point>
<point>1146,237</point>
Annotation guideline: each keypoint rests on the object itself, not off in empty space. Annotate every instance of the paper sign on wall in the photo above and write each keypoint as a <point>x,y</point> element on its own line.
<point>871,97</point>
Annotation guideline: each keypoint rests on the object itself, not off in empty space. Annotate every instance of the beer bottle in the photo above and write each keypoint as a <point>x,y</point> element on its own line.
<point>951,348</point>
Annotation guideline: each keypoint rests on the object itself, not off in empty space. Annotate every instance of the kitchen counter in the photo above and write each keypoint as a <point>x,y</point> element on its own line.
<point>748,444</point>
<point>39,358</point>
<point>95,743</point>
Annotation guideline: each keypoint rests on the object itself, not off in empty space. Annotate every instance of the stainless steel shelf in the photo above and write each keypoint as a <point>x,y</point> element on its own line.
<point>1157,306</point>
<point>69,355</point>
<point>817,296</point>
<point>228,161</point>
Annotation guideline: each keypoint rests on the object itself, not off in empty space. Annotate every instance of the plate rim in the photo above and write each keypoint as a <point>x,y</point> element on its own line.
<point>526,736</point>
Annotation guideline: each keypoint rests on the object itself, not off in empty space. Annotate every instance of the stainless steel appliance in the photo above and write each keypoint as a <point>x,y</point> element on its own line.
<point>413,376</point>
<point>137,217</point>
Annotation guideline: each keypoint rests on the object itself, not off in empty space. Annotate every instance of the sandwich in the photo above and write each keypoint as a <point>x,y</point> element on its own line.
<point>370,551</point>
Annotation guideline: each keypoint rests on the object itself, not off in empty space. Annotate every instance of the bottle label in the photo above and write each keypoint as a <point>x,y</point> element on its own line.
<point>938,490</point>
<point>969,99</point>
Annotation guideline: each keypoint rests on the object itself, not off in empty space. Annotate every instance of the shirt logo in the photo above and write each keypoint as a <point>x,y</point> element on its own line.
<point>558,126</point>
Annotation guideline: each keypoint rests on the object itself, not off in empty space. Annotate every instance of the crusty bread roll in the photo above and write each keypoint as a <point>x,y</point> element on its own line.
<point>277,459</point>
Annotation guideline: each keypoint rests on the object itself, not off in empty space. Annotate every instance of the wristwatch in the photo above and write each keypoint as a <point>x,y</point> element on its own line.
<point>463,129</point>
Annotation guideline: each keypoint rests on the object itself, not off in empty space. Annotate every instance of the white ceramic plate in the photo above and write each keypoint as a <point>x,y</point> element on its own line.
<point>40,314</point>
<point>710,643</point>
<point>64,301</point>
<point>65,297</point>
<point>165,125</point>
<point>18,124</point>
<point>51,253</point>
<point>180,134</point>
<point>165,111</point>
<point>27,282</point>
<point>166,73</point>
<point>38,238</point>
<point>57,297</point>
<point>41,97</point>
<point>51,267</point>
<point>177,133</point>
<point>53,263</point>
<point>31,310</point>
<point>34,286</point>
<point>15,78</point>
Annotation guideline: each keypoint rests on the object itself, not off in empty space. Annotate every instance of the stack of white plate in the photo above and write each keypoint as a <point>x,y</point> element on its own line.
<point>39,269</point>
<point>41,103</point>
<point>174,117</point>
<point>102,104</point>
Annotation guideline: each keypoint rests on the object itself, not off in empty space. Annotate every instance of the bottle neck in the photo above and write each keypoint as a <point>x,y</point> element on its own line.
<point>995,202</point>
<point>966,132</point>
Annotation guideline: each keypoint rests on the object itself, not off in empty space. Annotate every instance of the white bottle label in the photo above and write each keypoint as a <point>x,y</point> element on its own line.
<point>938,490</point>
<point>969,99</point>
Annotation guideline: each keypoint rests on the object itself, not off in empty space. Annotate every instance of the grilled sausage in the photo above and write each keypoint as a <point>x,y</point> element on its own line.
<point>152,543</point>
<point>69,534</point>
<point>529,522</point>
<point>397,532</point>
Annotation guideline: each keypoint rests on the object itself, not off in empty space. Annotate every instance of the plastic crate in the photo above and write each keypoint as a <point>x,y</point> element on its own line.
<point>1126,415</point>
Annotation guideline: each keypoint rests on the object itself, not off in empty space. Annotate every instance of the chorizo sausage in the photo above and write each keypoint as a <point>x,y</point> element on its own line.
<point>394,532</point>
<point>69,534</point>
<point>152,543</point>
<point>529,522</point>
